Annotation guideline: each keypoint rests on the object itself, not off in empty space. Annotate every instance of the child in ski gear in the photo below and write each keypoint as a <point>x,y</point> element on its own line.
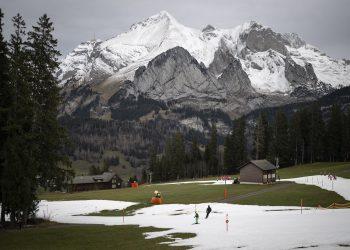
<point>208,211</point>
<point>196,216</point>
<point>157,194</point>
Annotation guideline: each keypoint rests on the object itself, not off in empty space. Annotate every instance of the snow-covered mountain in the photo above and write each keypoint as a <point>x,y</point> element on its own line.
<point>234,70</point>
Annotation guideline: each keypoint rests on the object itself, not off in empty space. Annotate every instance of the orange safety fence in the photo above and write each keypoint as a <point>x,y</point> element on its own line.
<point>336,205</point>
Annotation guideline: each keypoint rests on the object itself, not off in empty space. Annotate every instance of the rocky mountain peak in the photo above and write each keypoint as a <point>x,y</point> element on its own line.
<point>208,28</point>
<point>162,16</point>
<point>164,60</point>
<point>174,75</point>
<point>294,40</point>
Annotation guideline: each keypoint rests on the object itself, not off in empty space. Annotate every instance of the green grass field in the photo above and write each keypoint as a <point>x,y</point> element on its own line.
<point>198,193</point>
<point>341,169</point>
<point>312,197</point>
<point>85,237</point>
<point>185,193</point>
<point>124,169</point>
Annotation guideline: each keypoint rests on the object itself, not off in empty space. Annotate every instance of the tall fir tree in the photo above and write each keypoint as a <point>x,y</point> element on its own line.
<point>179,156</point>
<point>212,152</point>
<point>154,165</point>
<point>295,136</point>
<point>6,100</point>
<point>335,134</point>
<point>305,134</point>
<point>229,154</point>
<point>168,166</point>
<point>280,139</point>
<point>261,137</point>
<point>317,131</point>
<point>346,135</point>
<point>44,58</point>
<point>240,143</point>
<point>195,159</point>
<point>19,175</point>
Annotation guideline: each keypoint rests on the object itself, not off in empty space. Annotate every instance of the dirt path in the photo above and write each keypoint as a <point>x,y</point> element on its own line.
<point>266,190</point>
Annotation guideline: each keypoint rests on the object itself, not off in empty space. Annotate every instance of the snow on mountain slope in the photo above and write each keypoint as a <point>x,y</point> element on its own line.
<point>273,68</point>
<point>328,70</point>
<point>266,71</point>
<point>77,63</point>
<point>123,54</point>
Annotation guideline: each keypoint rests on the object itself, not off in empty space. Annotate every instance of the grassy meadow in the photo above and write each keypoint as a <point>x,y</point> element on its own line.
<point>61,236</point>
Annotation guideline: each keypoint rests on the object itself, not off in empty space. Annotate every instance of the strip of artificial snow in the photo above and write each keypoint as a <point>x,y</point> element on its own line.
<point>340,185</point>
<point>209,182</point>
<point>61,210</point>
<point>186,182</point>
<point>249,227</point>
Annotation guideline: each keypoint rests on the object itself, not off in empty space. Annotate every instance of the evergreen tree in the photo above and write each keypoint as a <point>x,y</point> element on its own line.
<point>239,143</point>
<point>305,134</point>
<point>195,159</point>
<point>168,166</point>
<point>335,134</point>
<point>19,172</point>
<point>93,170</point>
<point>346,136</point>
<point>229,154</point>
<point>46,94</point>
<point>261,137</point>
<point>154,165</point>
<point>179,157</point>
<point>295,136</point>
<point>280,139</point>
<point>212,152</point>
<point>6,94</point>
<point>317,131</point>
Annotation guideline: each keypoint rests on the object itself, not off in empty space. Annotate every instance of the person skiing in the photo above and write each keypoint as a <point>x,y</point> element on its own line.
<point>208,211</point>
<point>196,216</point>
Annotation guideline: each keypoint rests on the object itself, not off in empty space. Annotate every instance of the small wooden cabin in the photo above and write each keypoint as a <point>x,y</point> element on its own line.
<point>258,171</point>
<point>107,180</point>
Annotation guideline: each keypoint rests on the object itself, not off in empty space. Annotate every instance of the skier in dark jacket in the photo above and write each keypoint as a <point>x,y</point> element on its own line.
<point>196,216</point>
<point>208,211</point>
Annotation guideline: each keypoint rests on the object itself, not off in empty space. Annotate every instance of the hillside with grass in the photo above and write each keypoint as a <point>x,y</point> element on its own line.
<point>286,195</point>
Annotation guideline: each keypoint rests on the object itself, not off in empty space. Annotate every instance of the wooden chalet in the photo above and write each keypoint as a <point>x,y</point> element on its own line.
<point>107,180</point>
<point>258,171</point>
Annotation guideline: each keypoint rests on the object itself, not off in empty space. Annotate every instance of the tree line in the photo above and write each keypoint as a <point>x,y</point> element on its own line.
<point>306,136</point>
<point>309,135</point>
<point>31,137</point>
<point>181,160</point>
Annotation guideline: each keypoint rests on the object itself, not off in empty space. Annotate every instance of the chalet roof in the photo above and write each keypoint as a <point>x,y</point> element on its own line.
<point>262,164</point>
<point>105,177</point>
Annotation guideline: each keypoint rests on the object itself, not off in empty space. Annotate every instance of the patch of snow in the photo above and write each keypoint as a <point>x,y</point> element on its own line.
<point>186,182</point>
<point>340,185</point>
<point>61,210</point>
<point>249,227</point>
<point>194,123</point>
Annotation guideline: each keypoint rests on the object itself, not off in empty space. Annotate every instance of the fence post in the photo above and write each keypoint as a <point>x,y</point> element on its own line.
<point>301,206</point>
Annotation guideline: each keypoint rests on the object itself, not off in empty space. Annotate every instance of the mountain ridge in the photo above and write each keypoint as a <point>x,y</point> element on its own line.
<point>237,70</point>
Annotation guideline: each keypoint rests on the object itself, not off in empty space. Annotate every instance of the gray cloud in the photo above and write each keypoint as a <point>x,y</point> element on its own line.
<point>323,23</point>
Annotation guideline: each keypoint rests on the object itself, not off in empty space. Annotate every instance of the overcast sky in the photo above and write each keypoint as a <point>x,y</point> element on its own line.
<point>323,23</point>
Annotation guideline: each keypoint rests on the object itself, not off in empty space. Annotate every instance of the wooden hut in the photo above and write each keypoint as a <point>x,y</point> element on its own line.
<point>258,171</point>
<point>107,180</point>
